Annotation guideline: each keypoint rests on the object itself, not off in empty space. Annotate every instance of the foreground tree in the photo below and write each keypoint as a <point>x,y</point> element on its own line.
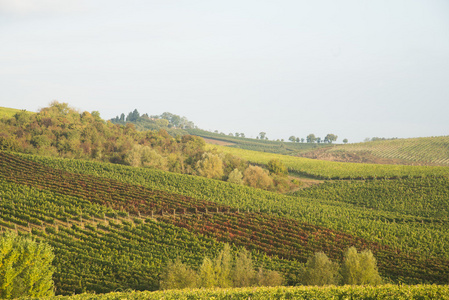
<point>25,267</point>
<point>359,268</point>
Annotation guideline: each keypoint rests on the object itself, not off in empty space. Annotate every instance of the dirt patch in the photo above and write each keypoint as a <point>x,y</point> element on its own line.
<point>218,142</point>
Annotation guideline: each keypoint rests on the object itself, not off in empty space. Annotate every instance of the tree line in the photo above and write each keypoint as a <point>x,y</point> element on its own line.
<point>227,270</point>
<point>59,130</point>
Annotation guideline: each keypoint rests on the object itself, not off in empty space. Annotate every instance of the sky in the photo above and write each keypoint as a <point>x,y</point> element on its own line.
<point>356,69</point>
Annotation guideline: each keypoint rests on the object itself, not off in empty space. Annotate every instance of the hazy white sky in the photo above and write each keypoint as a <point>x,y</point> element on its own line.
<point>353,68</point>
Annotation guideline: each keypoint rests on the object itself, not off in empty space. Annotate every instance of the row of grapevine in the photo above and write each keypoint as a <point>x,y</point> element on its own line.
<point>406,232</point>
<point>293,240</point>
<point>104,254</point>
<point>383,292</point>
<point>426,197</point>
<point>337,170</point>
<point>428,150</point>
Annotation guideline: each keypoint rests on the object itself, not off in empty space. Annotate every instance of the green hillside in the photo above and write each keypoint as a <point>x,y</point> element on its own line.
<point>414,151</point>
<point>6,112</point>
<point>336,170</point>
<point>279,147</point>
<point>115,220</point>
<point>111,227</point>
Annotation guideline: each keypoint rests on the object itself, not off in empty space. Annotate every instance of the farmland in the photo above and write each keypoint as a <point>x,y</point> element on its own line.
<point>66,207</point>
<point>115,227</point>
<point>412,151</point>
<point>337,170</point>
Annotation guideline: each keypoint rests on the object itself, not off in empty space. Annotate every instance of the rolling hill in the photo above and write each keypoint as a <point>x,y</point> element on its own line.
<point>432,151</point>
<point>117,226</point>
<point>114,227</point>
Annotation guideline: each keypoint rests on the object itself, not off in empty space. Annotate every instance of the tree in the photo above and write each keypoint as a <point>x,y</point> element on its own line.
<point>275,166</point>
<point>177,275</point>
<point>318,140</point>
<point>268,278</point>
<point>311,138</point>
<point>292,138</point>
<point>320,270</point>
<point>206,274</point>
<point>235,177</point>
<point>210,166</point>
<point>330,138</point>
<point>345,141</point>
<point>242,135</point>
<point>237,134</point>
<point>244,274</point>
<point>262,135</point>
<point>26,268</point>
<point>257,177</point>
<point>359,268</point>
<point>223,267</point>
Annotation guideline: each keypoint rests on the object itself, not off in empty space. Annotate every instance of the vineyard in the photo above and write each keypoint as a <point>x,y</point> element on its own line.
<point>279,147</point>
<point>426,197</point>
<point>409,233</point>
<point>111,234</point>
<point>337,170</point>
<point>417,151</point>
<point>386,292</point>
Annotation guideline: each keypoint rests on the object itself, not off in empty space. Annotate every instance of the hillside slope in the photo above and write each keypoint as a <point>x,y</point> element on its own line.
<point>432,151</point>
<point>107,233</point>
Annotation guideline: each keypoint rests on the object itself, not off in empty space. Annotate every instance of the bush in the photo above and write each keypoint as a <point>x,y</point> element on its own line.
<point>25,267</point>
